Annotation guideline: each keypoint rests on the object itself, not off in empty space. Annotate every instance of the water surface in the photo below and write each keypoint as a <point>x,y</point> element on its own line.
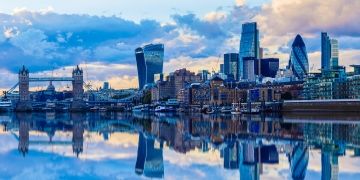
<point>179,146</point>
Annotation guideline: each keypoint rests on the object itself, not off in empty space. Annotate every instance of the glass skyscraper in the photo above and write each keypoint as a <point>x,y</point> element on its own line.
<point>149,60</point>
<point>231,64</point>
<point>325,51</point>
<point>334,53</point>
<point>299,63</point>
<point>249,44</point>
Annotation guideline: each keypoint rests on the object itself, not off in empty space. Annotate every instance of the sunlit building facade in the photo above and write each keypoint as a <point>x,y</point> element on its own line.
<point>299,63</point>
<point>149,60</point>
<point>334,60</point>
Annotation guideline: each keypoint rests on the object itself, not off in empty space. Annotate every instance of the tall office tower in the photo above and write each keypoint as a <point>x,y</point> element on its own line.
<point>231,64</point>
<point>334,59</point>
<point>249,45</point>
<point>269,67</point>
<point>299,63</point>
<point>325,51</point>
<point>205,75</point>
<point>106,86</point>
<point>222,68</point>
<point>250,66</point>
<point>149,60</point>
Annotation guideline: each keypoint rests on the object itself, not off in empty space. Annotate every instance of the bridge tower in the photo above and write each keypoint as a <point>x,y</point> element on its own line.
<point>24,94</point>
<point>78,89</point>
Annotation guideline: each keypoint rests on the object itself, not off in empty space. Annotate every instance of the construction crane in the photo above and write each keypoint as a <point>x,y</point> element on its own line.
<point>312,68</point>
<point>217,64</point>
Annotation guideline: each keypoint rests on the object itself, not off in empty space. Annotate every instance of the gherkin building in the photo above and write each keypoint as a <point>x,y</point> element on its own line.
<point>299,63</point>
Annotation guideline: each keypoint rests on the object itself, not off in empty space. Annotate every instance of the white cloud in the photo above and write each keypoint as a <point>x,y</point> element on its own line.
<point>308,16</point>
<point>239,2</point>
<point>193,64</point>
<point>215,16</point>
<point>33,42</point>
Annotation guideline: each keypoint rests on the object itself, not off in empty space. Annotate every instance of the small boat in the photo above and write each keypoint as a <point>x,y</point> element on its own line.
<point>160,109</point>
<point>225,110</point>
<point>255,110</point>
<point>95,108</point>
<point>102,109</point>
<point>48,109</point>
<point>164,109</point>
<point>236,111</point>
<point>210,111</point>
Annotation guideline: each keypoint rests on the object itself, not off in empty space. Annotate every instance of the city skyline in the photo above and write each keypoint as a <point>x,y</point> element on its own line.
<point>46,37</point>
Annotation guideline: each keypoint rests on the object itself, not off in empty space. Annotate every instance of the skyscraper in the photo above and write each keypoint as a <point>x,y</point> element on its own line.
<point>231,64</point>
<point>299,63</point>
<point>325,51</point>
<point>249,44</point>
<point>269,67</point>
<point>149,60</point>
<point>334,60</point>
<point>250,68</point>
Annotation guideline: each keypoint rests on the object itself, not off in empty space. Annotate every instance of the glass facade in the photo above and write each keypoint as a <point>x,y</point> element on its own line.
<point>231,64</point>
<point>334,53</point>
<point>299,62</point>
<point>249,44</point>
<point>141,67</point>
<point>325,51</point>
<point>149,61</point>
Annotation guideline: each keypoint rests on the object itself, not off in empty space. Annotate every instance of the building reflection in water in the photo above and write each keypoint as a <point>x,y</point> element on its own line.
<point>24,128</point>
<point>299,160</point>
<point>245,145</point>
<point>149,160</point>
<point>78,133</point>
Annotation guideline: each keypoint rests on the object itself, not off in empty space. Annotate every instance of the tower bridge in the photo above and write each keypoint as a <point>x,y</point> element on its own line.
<point>78,104</point>
<point>77,80</point>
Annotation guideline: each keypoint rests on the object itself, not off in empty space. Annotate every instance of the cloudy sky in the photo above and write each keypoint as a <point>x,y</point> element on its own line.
<point>51,36</point>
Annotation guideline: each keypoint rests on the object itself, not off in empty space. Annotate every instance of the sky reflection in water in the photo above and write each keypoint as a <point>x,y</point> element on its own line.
<point>140,146</point>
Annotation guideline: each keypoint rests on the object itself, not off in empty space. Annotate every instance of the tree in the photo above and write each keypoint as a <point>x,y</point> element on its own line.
<point>147,97</point>
<point>286,96</point>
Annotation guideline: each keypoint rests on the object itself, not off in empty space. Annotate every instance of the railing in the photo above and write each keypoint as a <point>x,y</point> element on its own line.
<point>51,79</point>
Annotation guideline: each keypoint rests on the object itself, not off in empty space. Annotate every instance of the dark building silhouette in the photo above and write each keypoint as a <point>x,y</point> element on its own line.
<point>325,51</point>
<point>231,65</point>
<point>269,67</point>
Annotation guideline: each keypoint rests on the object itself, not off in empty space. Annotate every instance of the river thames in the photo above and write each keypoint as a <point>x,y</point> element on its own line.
<point>179,146</point>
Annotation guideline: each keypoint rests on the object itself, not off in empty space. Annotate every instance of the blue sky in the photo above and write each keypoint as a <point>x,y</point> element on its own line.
<point>134,10</point>
<point>101,35</point>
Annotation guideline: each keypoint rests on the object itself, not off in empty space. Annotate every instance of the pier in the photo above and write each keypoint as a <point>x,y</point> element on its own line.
<point>323,105</point>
